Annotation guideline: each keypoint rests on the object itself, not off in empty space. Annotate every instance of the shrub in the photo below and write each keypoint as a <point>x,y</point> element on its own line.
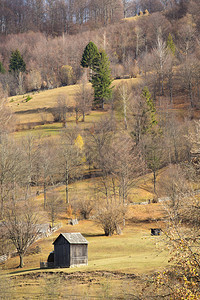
<point>110,218</point>
<point>85,208</point>
<point>67,75</point>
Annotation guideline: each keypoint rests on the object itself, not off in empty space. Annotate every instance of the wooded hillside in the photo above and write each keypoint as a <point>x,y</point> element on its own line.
<point>99,123</point>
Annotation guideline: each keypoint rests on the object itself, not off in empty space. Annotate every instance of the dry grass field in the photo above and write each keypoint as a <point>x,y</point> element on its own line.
<point>36,110</point>
<point>116,264</point>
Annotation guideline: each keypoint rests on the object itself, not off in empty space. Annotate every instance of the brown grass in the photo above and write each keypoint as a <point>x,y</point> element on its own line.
<point>47,99</point>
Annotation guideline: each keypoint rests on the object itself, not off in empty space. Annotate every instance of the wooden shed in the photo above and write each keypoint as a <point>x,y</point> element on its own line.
<point>70,249</point>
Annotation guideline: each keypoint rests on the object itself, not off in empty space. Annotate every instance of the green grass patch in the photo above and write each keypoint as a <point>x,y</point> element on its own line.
<point>28,98</point>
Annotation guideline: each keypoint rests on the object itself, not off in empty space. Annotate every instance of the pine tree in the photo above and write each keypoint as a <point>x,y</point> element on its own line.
<point>90,56</point>
<point>2,69</point>
<point>100,76</point>
<point>170,44</point>
<point>17,63</point>
<point>101,80</point>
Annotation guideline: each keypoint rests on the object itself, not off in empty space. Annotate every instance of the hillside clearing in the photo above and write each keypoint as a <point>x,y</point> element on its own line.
<point>36,109</point>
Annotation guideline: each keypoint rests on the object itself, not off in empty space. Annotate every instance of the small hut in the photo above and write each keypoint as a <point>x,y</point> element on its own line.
<point>70,249</point>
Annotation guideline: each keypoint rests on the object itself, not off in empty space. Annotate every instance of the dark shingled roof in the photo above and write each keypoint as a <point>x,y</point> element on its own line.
<point>73,238</point>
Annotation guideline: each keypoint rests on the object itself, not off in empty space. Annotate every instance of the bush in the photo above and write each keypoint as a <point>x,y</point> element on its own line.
<point>110,219</point>
<point>67,75</point>
<point>33,81</point>
<point>85,208</point>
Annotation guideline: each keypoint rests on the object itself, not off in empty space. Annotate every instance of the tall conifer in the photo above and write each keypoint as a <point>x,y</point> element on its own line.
<point>101,80</point>
<point>90,56</point>
<point>100,76</point>
<point>17,64</point>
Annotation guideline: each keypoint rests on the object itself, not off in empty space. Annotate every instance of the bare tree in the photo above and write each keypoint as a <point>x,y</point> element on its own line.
<point>182,236</point>
<point>83,100</point>
<point>154,152</point>
<point>187,74</point>
<point>12,169</point>
<point>122,99</point>
<point>68,158</point>
<point>30,154</point>
<point>61,109</point>
<point>160,53</point>
<point>110,218</point>
<point>21,226</point>
<point>126,165</point>
<point>7,119</point>
<point>84,207</point>
<point>47,166</point>
<point>98,146</point>
<point>54,206</point>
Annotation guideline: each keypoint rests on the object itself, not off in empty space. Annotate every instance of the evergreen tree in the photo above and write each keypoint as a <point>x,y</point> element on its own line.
<point>150,110</point>
<point>90,56</point>
<point>2,69</point>
<point>153,138</point>
<point>101,75</point>
<point>101,80</point>
<point>17,63</point>
<point>170,44</point>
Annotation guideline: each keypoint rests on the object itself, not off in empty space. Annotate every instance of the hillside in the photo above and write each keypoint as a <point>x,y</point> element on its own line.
<point>99,127</point>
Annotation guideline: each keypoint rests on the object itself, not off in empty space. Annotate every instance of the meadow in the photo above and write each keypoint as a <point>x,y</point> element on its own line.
<point>115,268</point>
<point>117,264</point>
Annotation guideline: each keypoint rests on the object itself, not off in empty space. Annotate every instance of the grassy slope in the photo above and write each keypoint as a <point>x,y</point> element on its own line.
<point>48,99</point>
<point>135,251</point>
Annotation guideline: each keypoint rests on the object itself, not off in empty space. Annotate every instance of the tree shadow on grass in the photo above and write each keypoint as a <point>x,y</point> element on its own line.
<point>18,271</point>
<point>93,234</point>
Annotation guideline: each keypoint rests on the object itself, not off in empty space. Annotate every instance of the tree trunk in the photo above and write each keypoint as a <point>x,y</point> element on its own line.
<point>125,114</point>
<point>21,264</point>
<point>52,220</point>
<point>114,189</point>
<point>2,201</point>
<point>137,46</point>
<point>76,116</point>
<point>102,104</point>
<point>190,94</point>
<point>154,182</point>
<point>124,194</point>
<point>45,193</point>
<point>83,120</point>
<point>67,183</point>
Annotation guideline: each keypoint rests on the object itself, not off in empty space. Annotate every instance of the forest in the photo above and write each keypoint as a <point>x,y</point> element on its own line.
<point>100,107</point>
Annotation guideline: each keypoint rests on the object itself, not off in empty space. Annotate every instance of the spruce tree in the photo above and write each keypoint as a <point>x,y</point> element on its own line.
<point>17,63</point>
<point>101,80</point>
<point>101,75</point>
<point>90,56</point>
